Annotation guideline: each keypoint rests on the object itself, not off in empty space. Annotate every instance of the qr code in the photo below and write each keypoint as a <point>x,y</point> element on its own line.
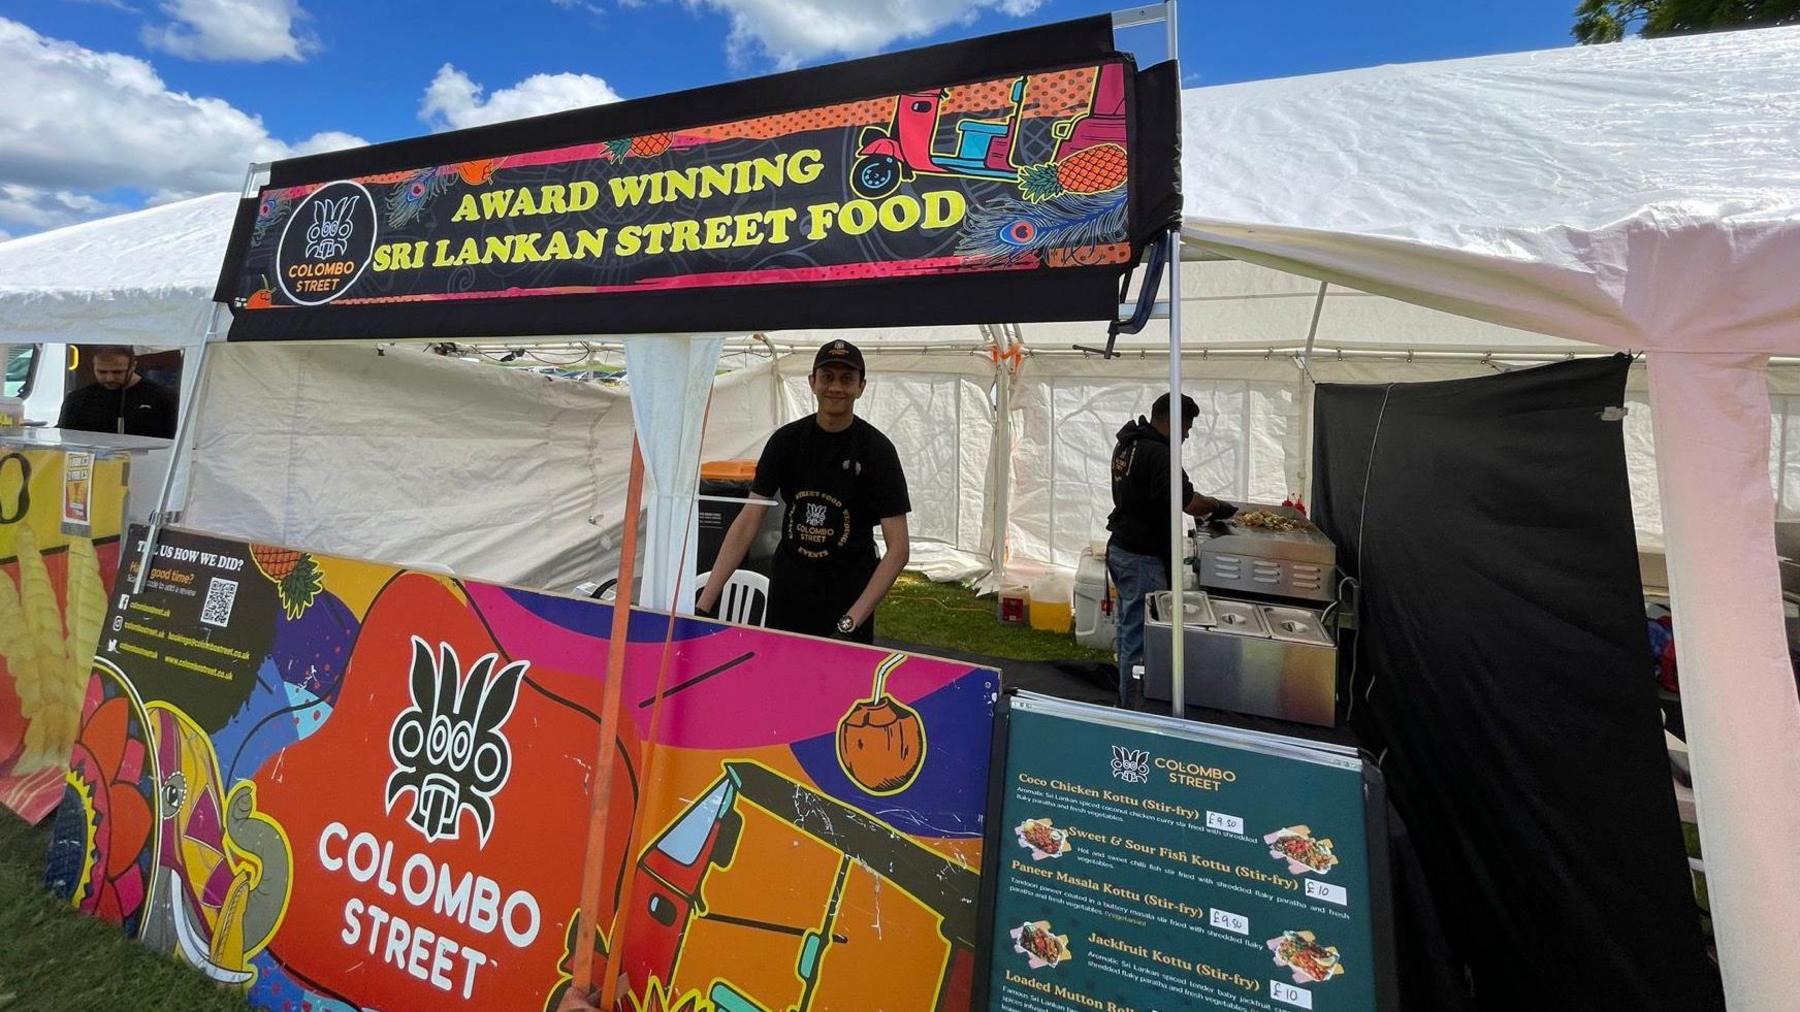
<point>220,595</point>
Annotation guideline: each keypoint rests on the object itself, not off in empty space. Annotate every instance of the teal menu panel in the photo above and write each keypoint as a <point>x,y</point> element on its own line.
<point>1152,865</point>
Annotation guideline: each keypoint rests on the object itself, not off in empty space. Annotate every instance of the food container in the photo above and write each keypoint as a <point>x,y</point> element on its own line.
<point>1015,604</point>
<point>724,487</point>
<point>1051,610</point>
<point>1265,660</point>
<point>1095,621</point>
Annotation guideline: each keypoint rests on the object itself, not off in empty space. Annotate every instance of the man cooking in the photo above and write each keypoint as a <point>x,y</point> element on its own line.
<point>1137,555</point>
<point>119,400</point>
<point>838,477</point>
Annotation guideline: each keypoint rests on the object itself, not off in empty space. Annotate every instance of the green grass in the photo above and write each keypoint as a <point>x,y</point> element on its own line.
<point>52,958</point>
<point>950,617</point>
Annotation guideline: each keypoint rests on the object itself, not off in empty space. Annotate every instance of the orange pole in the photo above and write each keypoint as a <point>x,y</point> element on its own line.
<point>594,868</point>
<point>610,986</point>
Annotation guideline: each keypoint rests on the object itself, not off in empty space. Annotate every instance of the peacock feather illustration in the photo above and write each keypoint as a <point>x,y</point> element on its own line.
<point>269,213</point>
<point>411,196</point>
<point>1013,229</point>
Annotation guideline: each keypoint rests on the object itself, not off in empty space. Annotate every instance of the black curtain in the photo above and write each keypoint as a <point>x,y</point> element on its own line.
<point>1502,672</point>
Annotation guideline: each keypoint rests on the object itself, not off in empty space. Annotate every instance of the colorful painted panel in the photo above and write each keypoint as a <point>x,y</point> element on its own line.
<point>60,514</point>
<point>341,783</point>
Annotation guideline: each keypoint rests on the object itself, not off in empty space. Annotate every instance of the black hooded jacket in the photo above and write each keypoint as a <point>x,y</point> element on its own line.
<point>1140,490</point>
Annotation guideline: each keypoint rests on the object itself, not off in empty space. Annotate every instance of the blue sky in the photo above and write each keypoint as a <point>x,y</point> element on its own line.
<point>113,103</point>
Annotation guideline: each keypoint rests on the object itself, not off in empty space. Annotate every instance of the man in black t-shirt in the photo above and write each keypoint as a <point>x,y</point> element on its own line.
<point>119,400</point>
<point>1137,555</point>
<point>838,478</point>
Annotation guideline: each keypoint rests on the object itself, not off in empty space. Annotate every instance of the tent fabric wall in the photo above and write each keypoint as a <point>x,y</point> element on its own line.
<point>411,458</point>
<point>938,411</point>
<point>1068,409</point>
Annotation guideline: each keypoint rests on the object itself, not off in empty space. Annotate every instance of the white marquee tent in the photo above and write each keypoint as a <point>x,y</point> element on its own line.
<point>1462,216</point>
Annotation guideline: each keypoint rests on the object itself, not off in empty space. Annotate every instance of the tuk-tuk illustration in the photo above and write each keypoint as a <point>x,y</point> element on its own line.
<point>668,894</point>
<point>985,149</point>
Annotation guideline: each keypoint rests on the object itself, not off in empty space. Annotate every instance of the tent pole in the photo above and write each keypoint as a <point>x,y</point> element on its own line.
<point>1177,546</point>
<point>1304,471</point>
<point>594,867</point>
<point>184,425</point>
<point>1710,416</point>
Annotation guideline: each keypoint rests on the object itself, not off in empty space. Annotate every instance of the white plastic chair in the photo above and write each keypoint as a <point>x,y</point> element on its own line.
<point>745,594</point>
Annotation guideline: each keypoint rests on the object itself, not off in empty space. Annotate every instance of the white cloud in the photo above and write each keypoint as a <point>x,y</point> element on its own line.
<point>792,32</point>
<point>35,208</point>
<point>254,31</point>
<point>452,101</point>
<point>76,121</point>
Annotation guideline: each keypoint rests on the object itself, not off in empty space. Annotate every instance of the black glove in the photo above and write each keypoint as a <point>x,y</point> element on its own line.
<point>1225,511</point>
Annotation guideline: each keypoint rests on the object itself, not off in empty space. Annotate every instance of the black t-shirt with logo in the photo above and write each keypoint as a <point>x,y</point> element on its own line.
<point>836,488</point>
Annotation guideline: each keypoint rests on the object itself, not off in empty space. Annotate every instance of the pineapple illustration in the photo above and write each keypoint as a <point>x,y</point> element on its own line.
<point>296,576</point>
<point>651,145</point>
<point>1088,171</point>
<point>647,146</point>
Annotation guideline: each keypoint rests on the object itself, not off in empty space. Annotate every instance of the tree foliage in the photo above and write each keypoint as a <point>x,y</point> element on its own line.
<point>1612,20</point>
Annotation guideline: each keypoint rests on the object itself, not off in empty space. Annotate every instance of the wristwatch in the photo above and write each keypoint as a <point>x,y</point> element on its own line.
<point>846,625</point>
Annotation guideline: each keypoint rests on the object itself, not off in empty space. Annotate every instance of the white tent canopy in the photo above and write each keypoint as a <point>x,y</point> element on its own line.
<point>144,278</point>
<point>1641,196</point>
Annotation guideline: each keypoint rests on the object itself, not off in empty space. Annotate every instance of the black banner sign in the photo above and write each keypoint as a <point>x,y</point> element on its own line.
<point>1008,196</point>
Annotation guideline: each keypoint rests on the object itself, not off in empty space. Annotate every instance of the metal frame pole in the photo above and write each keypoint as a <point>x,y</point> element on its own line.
<point>177,455</point>
<point>1177,544</point>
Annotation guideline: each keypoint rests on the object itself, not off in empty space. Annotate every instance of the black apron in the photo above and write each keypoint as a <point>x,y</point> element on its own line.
<point>809,595</point>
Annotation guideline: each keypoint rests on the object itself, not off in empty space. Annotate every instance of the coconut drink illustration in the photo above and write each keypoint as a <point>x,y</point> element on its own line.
<point>881,741</point>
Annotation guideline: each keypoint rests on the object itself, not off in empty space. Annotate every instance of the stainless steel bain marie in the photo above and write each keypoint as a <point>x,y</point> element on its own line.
<point>1269,660</point>
<point>1299,564</point>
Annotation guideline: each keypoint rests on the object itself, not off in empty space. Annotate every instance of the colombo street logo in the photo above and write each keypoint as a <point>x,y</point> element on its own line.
<point>329,234</point>
<point>327,243</point>
<point>1131,766</point>
<point>447,747</point>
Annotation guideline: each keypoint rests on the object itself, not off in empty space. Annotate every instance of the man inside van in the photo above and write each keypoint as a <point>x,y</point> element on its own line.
<point>1137,555</point>
<point>838,479</point>
<point>119,400</point>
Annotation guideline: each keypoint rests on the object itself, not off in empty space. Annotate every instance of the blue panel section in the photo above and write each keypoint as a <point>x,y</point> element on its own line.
<point>591,618</point>
<point>268,722</point>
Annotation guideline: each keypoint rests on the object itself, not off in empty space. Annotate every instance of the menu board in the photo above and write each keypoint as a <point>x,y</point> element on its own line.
<point>1147,864</point>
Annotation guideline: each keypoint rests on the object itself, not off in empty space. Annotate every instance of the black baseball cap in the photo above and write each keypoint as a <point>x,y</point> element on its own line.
<point>840,352</point>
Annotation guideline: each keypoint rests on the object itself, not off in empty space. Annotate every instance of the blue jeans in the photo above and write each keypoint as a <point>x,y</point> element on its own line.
<point>1135,576</point>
